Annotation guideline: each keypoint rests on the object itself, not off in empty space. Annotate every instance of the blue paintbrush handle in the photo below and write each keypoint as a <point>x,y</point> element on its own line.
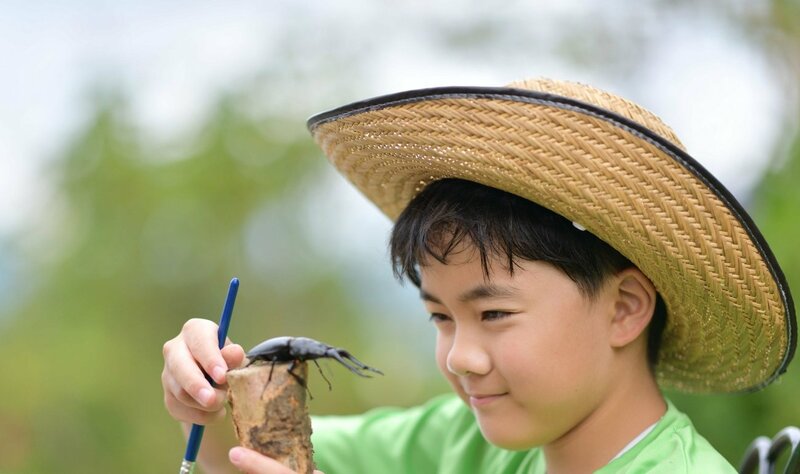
<point>196,435</point>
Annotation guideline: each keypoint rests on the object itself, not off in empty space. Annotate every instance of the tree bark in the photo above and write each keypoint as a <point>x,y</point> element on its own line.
<point>270,415</point>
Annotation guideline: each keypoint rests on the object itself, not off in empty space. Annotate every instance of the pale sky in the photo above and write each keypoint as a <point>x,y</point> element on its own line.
<point>174,58</point>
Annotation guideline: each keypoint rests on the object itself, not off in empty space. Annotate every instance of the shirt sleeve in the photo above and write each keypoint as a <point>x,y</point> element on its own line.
<point>385,440</point>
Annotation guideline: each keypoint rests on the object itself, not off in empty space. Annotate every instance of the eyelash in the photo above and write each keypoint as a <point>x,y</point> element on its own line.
<point>438,318</point>
<point>496,315</point>
<point>485,316</point>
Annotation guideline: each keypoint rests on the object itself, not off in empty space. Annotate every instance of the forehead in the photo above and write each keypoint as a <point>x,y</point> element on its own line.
<point>465,279</point>
<point>463,252</point>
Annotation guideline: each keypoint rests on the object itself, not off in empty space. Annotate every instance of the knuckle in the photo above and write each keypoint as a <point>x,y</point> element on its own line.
<point>194,324</point>
<point>188,325</point>
<point>166,348</point>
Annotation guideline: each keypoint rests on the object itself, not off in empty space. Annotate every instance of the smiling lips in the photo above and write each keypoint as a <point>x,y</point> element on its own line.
<point>478,400</point>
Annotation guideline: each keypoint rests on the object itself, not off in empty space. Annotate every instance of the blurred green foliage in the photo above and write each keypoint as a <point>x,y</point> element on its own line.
<point>138,240</point>
<point>146,243</point>
<point>143,244</point>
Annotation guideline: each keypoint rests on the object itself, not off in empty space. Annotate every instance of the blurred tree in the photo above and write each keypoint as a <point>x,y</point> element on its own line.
<point>140,239</point>
<point>144,245</point>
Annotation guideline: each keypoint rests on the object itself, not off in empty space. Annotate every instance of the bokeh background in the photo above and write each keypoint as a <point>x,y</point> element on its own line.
<point>149,151</point>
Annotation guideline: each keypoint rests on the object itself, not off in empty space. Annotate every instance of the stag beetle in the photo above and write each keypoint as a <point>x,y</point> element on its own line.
<point>293,349</point>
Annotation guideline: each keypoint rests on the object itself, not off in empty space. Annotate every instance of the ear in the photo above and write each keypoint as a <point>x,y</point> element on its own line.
<point>633,307</point>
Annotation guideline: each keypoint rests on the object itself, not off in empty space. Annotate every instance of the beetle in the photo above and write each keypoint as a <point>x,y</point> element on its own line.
<point>294,349</point>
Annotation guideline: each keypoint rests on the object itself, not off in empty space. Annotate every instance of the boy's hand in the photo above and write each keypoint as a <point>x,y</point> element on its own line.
<point>187,394</point>
<point>251,462</point>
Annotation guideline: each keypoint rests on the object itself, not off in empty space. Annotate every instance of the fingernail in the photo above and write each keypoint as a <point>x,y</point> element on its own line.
<point>206,396</point>
<point>218,373</point>
<point>235,454</point>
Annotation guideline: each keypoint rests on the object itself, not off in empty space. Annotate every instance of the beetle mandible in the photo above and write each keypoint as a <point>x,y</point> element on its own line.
<point>293,349</point>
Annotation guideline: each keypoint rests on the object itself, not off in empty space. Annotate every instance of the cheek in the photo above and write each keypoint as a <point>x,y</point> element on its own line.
<point>442,349</point>
<point>551,362</point>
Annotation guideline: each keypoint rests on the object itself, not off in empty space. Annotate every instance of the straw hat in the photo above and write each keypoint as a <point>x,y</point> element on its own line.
<point>611,167</point>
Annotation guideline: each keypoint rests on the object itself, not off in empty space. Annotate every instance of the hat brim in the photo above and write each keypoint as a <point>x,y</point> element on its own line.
<point>730,316</point>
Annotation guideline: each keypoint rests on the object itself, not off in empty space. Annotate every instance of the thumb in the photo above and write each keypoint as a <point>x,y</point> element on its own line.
<point>251,462</point>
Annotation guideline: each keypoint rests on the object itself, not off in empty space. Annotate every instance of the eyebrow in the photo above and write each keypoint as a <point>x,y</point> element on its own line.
<point>477,293</point>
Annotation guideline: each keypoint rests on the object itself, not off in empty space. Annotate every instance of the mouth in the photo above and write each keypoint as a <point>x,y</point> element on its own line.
<point>483,400</point>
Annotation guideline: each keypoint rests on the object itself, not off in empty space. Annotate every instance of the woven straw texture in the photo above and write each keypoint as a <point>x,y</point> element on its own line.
<point>727,320</point>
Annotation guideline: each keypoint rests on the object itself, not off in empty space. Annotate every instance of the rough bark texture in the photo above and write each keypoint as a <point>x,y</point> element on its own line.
<point>272,417</point>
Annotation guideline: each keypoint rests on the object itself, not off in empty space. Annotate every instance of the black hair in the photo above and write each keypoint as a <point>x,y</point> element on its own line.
<point>450,212</point>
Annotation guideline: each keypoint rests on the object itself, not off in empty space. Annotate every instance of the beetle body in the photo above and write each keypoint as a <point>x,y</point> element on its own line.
<point>290,349</point>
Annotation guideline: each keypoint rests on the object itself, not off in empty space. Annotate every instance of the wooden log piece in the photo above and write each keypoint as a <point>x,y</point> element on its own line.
<point>272,417</point>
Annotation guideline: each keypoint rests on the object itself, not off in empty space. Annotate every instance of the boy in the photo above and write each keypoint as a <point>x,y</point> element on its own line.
<point>572,258</point>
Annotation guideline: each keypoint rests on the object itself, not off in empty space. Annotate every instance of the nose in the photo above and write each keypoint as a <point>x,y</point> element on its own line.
<point>467,355</point>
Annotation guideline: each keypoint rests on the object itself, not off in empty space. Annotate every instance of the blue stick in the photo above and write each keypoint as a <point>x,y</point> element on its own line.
<point>196,435</point>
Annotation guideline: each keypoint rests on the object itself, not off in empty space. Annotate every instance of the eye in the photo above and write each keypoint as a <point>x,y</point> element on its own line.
<point>439,318</point>
<point>494,315</point>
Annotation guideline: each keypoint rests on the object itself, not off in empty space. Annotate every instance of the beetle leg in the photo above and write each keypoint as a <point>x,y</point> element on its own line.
<point>299,379</point>
<point>322,374</point>
<point>269,379</point>
<point>296,377</point>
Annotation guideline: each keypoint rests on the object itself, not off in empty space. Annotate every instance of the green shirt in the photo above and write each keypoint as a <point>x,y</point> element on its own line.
<point>442,437</point>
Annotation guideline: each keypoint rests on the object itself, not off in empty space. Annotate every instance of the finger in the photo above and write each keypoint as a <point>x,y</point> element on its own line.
<point>233,355</point>
<point>203,342</point>
<point>183,412</point>
<point>181,366</point>
<point>171,385</point>
<point>251,462</point>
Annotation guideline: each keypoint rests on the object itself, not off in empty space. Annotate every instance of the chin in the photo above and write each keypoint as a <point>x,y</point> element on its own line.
<point>507,439</point>
<point>511,444</point>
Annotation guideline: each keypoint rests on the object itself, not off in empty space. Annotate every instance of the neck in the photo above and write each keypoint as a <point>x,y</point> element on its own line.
<point>628,410</point>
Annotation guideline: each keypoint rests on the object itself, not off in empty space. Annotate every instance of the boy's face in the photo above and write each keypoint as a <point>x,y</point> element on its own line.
<point>528,352</point>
